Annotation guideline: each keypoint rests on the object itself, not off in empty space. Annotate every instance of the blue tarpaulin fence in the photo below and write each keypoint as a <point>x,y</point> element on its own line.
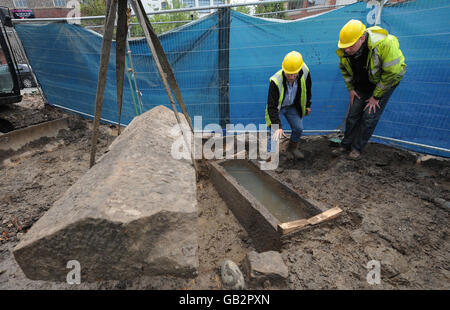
<point>66,58</point>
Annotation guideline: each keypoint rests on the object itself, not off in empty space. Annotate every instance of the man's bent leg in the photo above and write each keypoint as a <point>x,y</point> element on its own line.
<point>369,123</point>
<point>296,123</point>
<point>352,124</point>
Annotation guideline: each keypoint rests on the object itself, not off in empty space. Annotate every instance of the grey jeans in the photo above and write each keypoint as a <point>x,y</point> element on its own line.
<point>360,124</point>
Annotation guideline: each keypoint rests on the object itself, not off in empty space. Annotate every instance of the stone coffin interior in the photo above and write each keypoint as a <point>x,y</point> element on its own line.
<point>259,201</point>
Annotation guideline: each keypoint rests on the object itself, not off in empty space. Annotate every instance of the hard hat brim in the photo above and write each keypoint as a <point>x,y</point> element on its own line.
<point>291,72</point>
<point>345,45</point>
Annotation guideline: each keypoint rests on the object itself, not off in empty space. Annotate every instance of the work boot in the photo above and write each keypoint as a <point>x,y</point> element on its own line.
<point>354,155</point>
<point>293,149</point>
<point>288,155</point>
<point>281,163</point>
<point>341,150</point>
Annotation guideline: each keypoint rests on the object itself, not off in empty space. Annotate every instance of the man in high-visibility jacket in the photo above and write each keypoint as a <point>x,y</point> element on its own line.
<point>372,66</point>
<point>290,96</point>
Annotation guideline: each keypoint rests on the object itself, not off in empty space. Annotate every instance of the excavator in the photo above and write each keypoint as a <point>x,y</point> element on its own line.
<point>9,74</point>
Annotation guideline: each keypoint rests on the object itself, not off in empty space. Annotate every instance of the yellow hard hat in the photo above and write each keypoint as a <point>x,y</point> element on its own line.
<point>292,62</point>
<point>350,33</point>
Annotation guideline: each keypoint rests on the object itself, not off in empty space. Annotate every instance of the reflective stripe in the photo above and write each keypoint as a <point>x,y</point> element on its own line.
<point>303,94</point>
<point>375,57</point>
<point>348,79</point>
<point>376,62</point>
<point>277,78</point>
<point>383,87</point>
<point>305,71</point>
<point>303,85</point>
<point>392,62</point>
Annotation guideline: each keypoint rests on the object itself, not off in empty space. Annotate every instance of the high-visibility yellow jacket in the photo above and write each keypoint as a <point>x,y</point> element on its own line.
<point>385,61</point>
<point>278,84</point>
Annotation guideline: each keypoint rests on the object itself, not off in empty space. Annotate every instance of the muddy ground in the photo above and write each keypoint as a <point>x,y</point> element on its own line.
<point>390,213</point>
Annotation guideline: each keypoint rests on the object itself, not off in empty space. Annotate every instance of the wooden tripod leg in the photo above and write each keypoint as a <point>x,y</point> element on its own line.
<point>151,41</point>
<point>103,70</point>
<point>121,40</point>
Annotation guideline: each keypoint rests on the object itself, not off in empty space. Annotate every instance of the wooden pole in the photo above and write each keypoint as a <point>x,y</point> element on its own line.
<point>223,15</point>
<point>151,40</point>
<point>103,70</point>
<point>157,50</point>
<point>121,41</point>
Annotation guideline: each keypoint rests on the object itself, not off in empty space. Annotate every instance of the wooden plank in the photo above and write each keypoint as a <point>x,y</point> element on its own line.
<point>223,16</point>
<point>104,61</point>
<point>289,227</point>
<point>121,41</point>
<point>286,228</point>
<point>324,216</point>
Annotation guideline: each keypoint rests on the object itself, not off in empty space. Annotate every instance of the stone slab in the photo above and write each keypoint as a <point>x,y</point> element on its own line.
<point>133,213</point>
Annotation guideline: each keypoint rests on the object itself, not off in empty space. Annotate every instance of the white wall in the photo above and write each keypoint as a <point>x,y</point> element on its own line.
<point>150,5</point>
<point>343,2</point>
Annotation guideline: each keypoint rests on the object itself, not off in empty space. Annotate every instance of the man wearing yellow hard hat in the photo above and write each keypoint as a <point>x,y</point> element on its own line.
<point>372,66</point>
<point>290,96</point>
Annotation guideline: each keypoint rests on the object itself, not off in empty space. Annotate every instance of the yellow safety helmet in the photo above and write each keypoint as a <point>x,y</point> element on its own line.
<point>292,62</point>
<point>350,33</point>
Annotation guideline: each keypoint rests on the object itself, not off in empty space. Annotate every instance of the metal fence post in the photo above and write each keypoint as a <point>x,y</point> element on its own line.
<point>224,60</point>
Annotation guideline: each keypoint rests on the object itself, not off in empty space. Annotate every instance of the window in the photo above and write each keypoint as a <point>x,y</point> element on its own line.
<point>6,80</point>
<point>189,3</point>
<point>60,3</point>
<point>20,3</point>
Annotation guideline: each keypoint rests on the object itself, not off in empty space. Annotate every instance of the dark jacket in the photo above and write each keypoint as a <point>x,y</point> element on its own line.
<point>358,63</point>
<point>272,100</point>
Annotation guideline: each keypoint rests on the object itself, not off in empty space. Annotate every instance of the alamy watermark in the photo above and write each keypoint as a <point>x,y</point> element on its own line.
<point>75,12</point>
<point>74,275</point>
<point>374,13</point>
<point>240,142</point>
<point>374,274</point>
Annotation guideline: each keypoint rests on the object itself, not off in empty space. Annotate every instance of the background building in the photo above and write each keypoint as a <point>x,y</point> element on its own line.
<point>157,5</point>
<point>39,8</point>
